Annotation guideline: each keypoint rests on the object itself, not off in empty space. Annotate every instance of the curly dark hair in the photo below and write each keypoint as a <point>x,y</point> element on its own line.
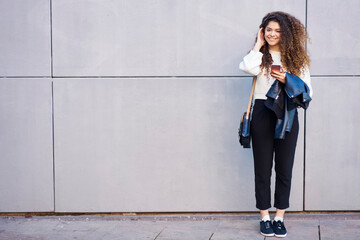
<point>292,43</point>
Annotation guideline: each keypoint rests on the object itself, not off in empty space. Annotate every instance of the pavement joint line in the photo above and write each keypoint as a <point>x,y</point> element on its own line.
<point>159,234</point>
<point>211,236</point>
<point>319,231</point>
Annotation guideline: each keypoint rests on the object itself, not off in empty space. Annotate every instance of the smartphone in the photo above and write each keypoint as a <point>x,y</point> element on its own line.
<point>276,68</point>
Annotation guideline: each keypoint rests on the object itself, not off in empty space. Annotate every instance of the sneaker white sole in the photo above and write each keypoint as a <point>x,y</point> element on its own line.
<point>280,236</point>
<point>268,235</point>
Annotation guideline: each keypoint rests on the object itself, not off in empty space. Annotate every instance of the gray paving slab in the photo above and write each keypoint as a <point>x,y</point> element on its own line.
<point>175,227</point>
<point>302,229</point>
<point>195,230</point>
<point>237,230</point>
<point>340,229</point>
<point>137,230</point>
<point>78,228</point>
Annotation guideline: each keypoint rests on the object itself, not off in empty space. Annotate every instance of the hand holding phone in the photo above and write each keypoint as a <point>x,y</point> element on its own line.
<point>278,72</point>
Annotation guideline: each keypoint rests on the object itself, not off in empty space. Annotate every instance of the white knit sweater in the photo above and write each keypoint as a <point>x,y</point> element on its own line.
<point>251,65</point>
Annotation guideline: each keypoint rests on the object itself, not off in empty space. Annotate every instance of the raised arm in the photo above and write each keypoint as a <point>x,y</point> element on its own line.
<point>252,61</point>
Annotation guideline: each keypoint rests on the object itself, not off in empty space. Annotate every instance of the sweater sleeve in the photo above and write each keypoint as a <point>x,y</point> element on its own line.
<point>251,63</point>
<point>305,76</point>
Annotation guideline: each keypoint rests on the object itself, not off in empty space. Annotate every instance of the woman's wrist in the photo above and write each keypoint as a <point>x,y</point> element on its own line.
<point>257,47</point>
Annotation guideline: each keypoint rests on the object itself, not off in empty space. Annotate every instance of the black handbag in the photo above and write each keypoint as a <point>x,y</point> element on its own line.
<point>244,129</point>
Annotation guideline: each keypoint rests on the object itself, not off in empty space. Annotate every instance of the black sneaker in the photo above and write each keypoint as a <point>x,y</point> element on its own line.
<point>266,229</point>
<point>279,229</point>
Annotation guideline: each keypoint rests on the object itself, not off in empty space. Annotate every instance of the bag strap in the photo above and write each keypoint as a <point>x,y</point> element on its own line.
<point>251,98</point>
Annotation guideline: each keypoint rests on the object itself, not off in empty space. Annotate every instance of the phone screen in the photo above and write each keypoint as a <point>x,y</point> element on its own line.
<point>276,68</point>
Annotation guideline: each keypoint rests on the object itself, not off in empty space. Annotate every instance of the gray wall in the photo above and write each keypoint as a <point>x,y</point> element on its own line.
<point>133,106</point>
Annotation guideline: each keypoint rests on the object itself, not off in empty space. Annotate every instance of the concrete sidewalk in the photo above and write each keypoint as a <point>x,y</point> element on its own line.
<point>344,226</point>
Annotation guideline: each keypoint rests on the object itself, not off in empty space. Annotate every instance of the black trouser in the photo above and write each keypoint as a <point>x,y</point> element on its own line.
<point>264,145</point>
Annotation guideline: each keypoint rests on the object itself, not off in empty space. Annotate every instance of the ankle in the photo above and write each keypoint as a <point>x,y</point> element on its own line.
<point>264,213</point>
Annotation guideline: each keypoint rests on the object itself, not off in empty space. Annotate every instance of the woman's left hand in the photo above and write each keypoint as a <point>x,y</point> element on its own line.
<point>279,76</point>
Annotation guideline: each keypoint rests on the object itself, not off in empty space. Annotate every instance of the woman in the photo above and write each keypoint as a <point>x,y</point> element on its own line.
<point>280,41</point>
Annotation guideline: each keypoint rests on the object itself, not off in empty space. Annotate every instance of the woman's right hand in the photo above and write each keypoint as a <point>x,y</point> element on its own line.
<point>260,41</point>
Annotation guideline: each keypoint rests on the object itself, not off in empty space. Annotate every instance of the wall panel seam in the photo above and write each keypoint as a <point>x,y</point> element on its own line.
<point>52,105</point>
<point>304,148</point>
<point>51,43</point>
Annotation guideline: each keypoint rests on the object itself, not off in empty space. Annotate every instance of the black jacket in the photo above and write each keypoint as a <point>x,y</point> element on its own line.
<point>283,99</point>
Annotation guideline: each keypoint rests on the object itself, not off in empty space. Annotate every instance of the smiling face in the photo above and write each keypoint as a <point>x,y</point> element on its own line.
<point>273,35</point>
